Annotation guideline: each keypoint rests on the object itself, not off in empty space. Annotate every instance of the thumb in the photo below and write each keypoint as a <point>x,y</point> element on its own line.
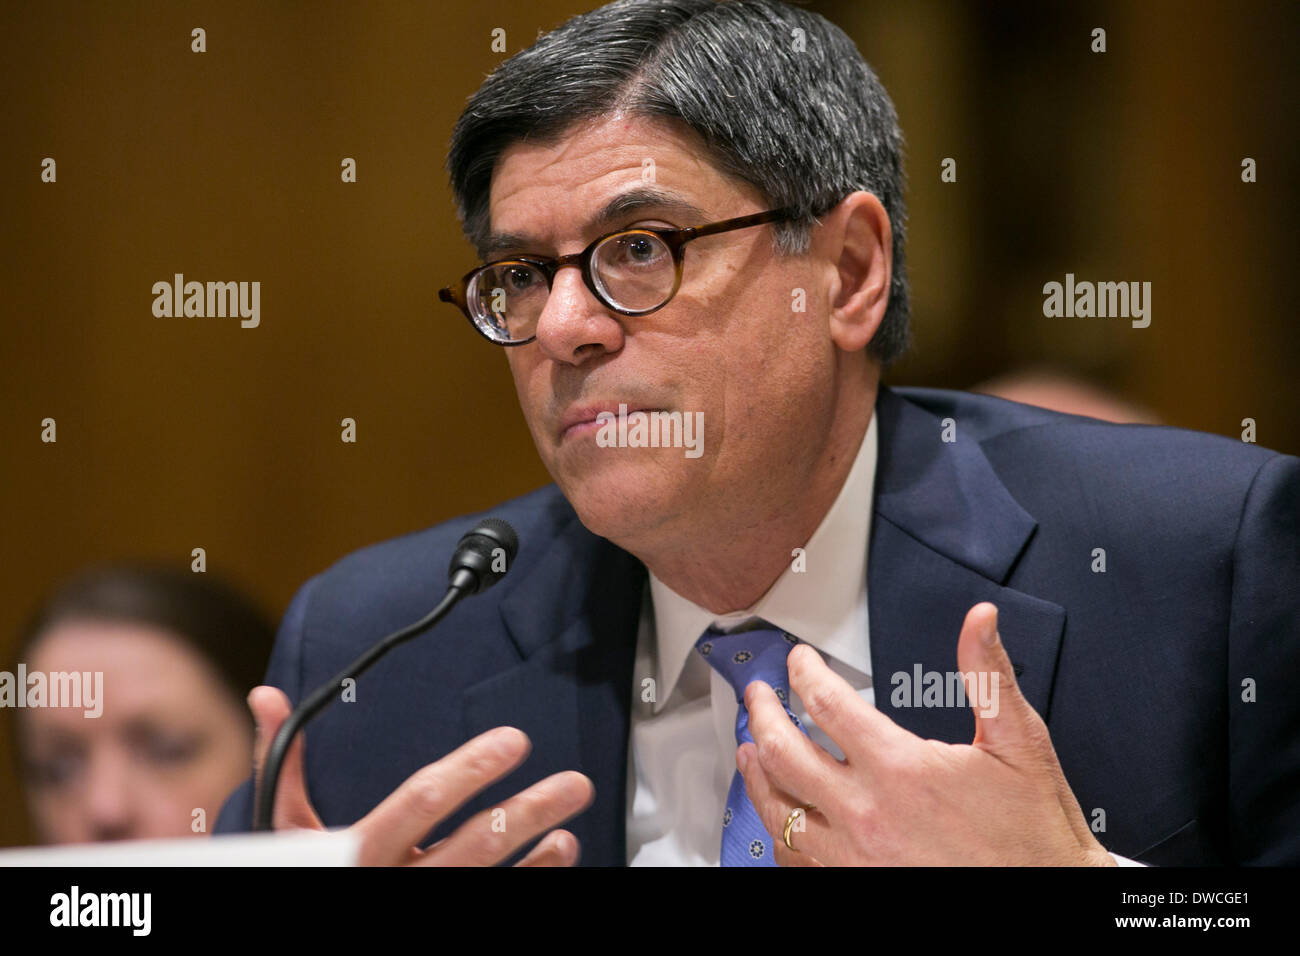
<point>1003,718</point>
<point>1005,723</point>
<point>293,809</point>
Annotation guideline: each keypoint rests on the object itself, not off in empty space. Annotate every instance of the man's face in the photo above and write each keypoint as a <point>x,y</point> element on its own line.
<point>729,344</point>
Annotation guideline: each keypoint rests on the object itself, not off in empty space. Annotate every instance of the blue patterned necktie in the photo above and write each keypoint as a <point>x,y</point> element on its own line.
<point>741,657</point>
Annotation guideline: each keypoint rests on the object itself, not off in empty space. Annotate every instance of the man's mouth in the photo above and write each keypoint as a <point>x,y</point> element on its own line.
<point>584,419</point>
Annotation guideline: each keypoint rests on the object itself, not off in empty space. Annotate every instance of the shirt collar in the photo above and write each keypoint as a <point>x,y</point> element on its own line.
<point>823,604</point>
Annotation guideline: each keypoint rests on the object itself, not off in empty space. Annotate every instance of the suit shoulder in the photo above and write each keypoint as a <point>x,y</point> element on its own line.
<point>535,516</point>
<point>997,424</point>
<point>400,577</point>
<point>1125,476</point>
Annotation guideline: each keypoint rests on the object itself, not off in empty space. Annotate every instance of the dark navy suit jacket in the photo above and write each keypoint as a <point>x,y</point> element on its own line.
<point>1142,672</point>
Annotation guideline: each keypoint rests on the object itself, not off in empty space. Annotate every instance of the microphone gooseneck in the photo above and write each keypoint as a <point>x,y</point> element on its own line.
<point>481,559</point>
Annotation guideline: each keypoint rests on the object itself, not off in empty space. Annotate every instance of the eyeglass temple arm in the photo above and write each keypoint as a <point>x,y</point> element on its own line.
<point>742,222</point>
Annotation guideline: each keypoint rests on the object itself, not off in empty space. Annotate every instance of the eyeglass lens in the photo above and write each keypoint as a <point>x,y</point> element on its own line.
<point>633,271</point>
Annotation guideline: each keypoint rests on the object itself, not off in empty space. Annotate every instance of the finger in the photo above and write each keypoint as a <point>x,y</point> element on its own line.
<point>487,838</point>
<point>293,809</point>
<point>435,791</point>
<point>808,835</point>
<point>786,857</point>
<point>787,754</point>
<point>557,848</point>
<point>857,728</point>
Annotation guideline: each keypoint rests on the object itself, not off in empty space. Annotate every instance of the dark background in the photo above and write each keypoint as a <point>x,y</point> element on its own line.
<point>182,433</point>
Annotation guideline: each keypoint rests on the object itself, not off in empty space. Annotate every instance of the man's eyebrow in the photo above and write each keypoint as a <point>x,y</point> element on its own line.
<point>634,200</point>
<point>645,197</point>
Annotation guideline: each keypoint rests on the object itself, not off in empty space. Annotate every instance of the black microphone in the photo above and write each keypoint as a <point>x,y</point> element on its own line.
<point>481,559</point>
<point>483,556</point>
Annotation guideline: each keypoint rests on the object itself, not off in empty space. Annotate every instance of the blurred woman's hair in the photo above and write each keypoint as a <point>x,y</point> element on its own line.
<point>226,628</point>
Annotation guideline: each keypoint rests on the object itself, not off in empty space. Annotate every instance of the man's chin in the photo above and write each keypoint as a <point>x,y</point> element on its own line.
<point>621,501</point>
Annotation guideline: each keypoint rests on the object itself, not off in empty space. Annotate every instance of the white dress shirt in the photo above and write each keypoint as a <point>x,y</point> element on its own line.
<point>681,753</point>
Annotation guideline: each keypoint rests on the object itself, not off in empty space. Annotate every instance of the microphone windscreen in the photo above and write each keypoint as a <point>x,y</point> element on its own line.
<point>502,533</point>
<point>484,555</point>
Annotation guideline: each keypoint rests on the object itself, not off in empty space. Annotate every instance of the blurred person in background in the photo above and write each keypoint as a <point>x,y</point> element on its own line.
<point>178,651</point>
<point>1059,391</point>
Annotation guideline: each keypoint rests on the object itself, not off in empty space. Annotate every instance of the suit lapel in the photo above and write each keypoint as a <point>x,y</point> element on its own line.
<point>945,535</point>
<point>573,621</point>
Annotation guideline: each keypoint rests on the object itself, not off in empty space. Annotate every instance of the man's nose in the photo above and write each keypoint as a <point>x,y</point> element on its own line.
<point>574,326</point>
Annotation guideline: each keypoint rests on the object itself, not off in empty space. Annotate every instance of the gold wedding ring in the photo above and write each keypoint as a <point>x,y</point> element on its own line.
<point>795,814</point>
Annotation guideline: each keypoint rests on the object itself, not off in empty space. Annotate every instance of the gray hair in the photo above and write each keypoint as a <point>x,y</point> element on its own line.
<point>779,94</point>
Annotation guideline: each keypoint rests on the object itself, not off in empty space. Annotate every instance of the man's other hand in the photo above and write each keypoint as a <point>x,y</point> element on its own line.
<point>390,832</point>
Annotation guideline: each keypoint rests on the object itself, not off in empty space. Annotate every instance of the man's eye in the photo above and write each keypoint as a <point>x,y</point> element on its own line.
<point>639,251</point>
<point>518,278</point>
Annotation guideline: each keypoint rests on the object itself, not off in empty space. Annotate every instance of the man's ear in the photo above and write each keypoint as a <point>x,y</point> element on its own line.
<point>855,241</point>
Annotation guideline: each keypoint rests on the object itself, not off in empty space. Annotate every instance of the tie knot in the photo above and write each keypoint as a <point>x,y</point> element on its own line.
<point>744,656</point>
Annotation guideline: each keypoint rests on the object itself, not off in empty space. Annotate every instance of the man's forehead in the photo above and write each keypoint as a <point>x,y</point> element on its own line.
<point>590,149</point>
<point>598,172</point>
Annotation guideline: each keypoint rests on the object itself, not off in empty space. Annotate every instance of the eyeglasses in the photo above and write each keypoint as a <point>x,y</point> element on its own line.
<point>632,272</point>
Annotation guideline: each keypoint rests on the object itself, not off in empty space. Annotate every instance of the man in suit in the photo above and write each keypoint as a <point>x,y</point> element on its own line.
<point>1033,638</point>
